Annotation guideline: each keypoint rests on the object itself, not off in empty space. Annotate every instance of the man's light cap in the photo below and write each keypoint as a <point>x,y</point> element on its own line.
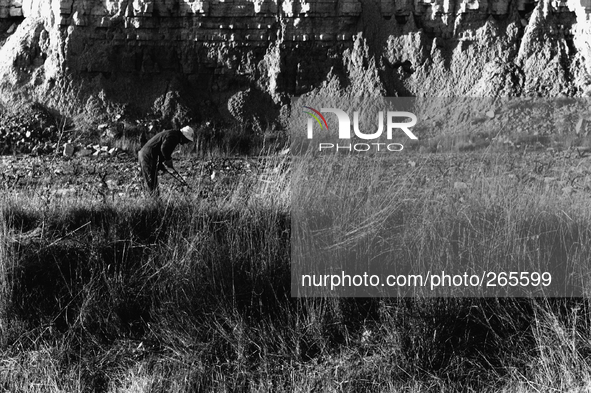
<point>189,133</point>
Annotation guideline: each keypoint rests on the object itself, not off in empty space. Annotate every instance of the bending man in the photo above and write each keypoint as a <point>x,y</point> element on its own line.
<point>157,154</point>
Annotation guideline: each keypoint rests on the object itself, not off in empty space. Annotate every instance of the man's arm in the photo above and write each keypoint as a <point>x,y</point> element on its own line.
<point>168,145</point>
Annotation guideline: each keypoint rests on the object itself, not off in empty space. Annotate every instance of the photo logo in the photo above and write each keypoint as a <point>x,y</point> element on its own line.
<point>316,118</point>
<point>395,120</point>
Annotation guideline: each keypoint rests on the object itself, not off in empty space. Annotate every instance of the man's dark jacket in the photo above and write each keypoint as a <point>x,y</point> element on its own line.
<point>155,153</point>
<point>161,146</point>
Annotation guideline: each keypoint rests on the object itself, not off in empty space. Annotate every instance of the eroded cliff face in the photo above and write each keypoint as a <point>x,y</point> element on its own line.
<point>215,57</point>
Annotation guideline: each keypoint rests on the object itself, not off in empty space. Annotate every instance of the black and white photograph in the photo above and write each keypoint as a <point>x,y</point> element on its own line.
<point>295,196</point>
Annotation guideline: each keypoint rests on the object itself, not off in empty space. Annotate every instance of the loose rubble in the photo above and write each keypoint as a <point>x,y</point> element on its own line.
<point>32,131</point>
<point>70,150</point>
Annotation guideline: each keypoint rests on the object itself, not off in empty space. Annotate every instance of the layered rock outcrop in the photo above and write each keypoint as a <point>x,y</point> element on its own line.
<point>204,52</point>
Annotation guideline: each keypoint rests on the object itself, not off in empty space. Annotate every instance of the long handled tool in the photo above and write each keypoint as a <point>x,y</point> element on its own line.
<point>174,173</point>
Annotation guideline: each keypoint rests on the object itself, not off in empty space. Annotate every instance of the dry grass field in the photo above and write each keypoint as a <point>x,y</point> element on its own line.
<point>103,290</point>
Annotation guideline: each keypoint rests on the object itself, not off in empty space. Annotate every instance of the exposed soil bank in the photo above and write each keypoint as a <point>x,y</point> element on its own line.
<point>242,60</point>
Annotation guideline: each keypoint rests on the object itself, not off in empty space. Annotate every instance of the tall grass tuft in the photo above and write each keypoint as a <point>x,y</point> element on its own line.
<point>5,286</point>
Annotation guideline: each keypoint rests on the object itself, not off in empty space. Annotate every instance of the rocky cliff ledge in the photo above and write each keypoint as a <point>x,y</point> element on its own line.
<point>215,57</point>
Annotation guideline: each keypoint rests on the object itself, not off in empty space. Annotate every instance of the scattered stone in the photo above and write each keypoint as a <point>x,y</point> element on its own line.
<point>113,151</point>
<point>112,184</point>
<point>109,133</point>
<point>478,120</point>
<point>412,164</point>
<point>460,185</point>
<point>84,153</point>
<point>490,114</point>
<point>68,149</point>
<point>581,125</point>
